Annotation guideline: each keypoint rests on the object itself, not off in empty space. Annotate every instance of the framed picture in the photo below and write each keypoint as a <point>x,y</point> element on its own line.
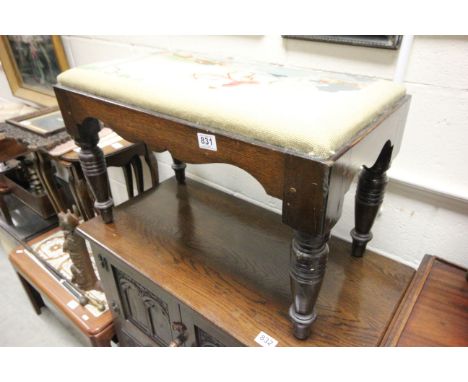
<point>31,65</point>
<point>43,122</point>
<point>371,41</point>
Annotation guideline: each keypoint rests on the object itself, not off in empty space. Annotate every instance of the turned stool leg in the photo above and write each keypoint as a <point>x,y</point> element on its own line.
<point>179,169</point>
<point>369,197</point>
<point>308,261</point>
<point>93,165</point>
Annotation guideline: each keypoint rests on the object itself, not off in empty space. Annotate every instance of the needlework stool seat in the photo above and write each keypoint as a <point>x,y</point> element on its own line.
<point>303,134</point>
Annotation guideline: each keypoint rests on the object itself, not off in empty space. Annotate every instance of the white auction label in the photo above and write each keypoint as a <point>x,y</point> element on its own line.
<point>207,142</point>
<point>265,340</point>
<point>117,145</point>
<point>72,304</point>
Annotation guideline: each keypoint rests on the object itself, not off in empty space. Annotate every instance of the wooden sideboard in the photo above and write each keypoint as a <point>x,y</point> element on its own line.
<point>187,265</point>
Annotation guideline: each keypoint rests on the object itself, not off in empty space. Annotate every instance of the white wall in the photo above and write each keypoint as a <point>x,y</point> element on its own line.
<point>426,206</point>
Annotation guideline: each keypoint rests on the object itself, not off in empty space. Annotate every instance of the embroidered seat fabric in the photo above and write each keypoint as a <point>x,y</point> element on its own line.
<point>307,111</point>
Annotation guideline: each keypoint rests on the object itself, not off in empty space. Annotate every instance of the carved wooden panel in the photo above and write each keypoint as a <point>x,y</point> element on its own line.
<point>126,340</point>
<point>207,340</point>
<point>144,309</point>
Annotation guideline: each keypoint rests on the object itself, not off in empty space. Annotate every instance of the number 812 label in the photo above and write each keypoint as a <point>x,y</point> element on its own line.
<point>265,340</point>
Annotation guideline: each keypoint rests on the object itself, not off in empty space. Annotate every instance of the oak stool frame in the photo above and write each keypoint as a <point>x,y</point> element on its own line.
<point>312,189</point>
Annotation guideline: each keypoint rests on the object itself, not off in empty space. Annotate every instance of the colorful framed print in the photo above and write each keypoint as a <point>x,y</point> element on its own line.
<point>31,65</point>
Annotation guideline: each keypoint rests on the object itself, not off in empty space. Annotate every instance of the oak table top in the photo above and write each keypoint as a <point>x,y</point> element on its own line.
<point>228,260</point>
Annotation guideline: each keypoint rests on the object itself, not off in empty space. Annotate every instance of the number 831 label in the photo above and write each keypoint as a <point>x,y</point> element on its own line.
<point>265,340</point>
<point>207,141</point>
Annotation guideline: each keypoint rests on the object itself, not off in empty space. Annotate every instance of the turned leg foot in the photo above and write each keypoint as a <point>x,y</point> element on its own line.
<point>94,168</point>
<point>307,268</point>
<point>369,197</point>
<point>179,169</point>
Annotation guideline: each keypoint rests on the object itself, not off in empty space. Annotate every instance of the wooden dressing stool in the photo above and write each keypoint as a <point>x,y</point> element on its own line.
<point>303,134</point>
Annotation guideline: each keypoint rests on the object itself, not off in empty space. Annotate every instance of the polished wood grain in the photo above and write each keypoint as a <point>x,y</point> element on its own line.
<point>227,261</point>
<point>401,315</point>
<point>434,311</point>
<point>98,329</point>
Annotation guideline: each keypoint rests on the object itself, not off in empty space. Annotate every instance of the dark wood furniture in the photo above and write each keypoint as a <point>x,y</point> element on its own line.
<point>25,223</point>
<point>26,208</point>
<point>5,190</point>
<point>39,284</point>
<point>125,155</point>
<point>10,148</point>
<point>38,201</point>
<point>43,201</point>
<point>434,311</point>
<point>188,265</point>
<point>312,189</point>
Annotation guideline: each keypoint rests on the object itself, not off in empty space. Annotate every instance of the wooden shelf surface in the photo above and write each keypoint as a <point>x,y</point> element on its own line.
<point>229,261</point>
<point>434,311</point>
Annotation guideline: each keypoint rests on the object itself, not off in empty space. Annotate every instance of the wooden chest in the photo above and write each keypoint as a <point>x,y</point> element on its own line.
<point>192,266</point>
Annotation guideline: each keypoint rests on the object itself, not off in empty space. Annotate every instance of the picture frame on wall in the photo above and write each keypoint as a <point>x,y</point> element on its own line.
<point>370,41</point>
<point>31,64</point>
<point>45,122</point>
